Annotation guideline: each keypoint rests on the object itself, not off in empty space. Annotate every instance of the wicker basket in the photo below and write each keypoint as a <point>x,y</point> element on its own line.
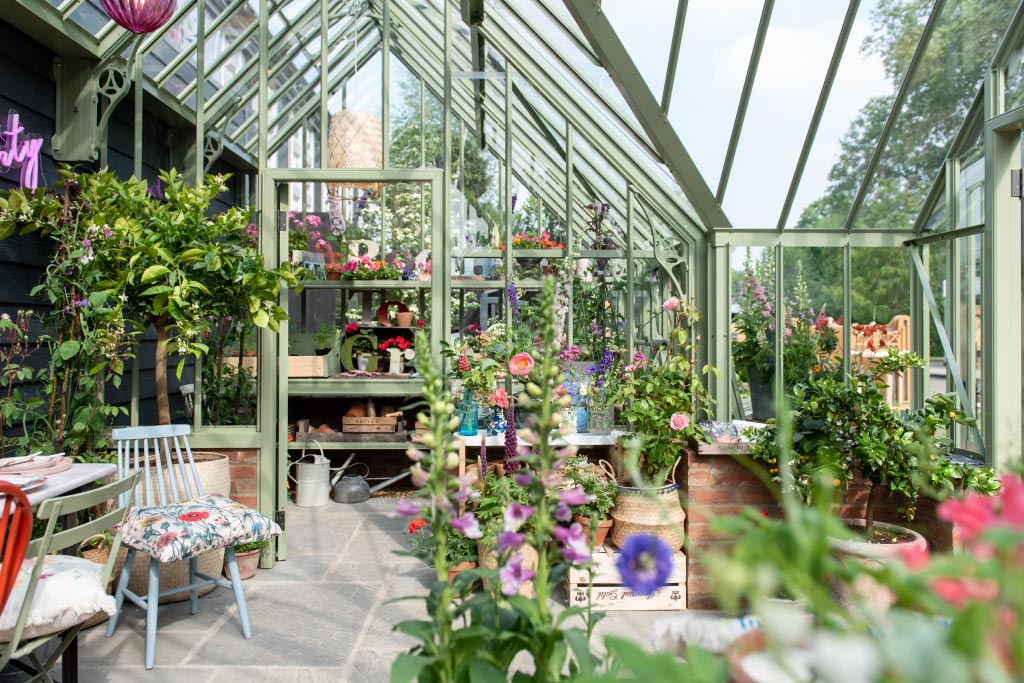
<point>355,141</point>
<point>488,559</point>
<point>655,511</point>
<point>215,477</point>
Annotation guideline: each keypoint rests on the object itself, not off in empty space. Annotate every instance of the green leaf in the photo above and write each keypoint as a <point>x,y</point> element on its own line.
<point>483,672</point>
<point>261,318</point>
<point>69,349</point>
<point>154,273</point>
<point>406,667</point>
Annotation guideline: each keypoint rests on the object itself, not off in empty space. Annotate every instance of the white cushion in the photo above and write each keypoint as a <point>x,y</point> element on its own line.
<point>68,593</point>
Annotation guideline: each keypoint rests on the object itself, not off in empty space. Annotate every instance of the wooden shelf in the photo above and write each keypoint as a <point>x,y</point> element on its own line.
<point>350,445</point>
<point>366,284</point>
<point>354,386</point>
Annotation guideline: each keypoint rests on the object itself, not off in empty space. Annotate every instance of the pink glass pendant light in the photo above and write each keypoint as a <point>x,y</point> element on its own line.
<point>139,16</point>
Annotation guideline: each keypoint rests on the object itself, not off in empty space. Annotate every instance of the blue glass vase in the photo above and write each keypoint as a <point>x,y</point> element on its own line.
<point>497,422</point>
<point>582,419</point>
<point>468,420</point>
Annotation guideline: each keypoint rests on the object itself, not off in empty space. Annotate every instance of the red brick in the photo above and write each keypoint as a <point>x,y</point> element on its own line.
<point>744,478</point>
<point>753,496</point>
<point>244,485</point>
<point>243,471</point>
<point>245,500</point>
<point>705,496</point>
<point>699,478</point>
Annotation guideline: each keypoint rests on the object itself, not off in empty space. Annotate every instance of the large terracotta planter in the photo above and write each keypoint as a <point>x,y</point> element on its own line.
<point>248,563</point>
<point>600,534</point>
<point>865,591</point>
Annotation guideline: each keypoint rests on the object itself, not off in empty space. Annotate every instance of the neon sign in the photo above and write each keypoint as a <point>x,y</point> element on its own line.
<point>20,149</point>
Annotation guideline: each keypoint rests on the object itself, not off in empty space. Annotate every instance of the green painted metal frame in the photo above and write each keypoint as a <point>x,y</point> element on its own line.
<point>673,57</point>
<point>624,72</point>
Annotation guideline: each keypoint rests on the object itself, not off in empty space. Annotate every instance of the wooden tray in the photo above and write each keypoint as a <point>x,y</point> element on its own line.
<point>608,593</point>
<point>369,424</point>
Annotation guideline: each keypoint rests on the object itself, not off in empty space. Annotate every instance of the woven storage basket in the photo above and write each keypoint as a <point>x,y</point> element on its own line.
<point>355,141</point>
<point>655,511</point>
<point>488,559</point>
<point>215,477</point>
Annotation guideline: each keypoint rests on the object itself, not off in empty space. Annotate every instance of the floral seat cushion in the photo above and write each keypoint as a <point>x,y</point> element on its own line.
<point>185,530</point>
<point>68,592</point>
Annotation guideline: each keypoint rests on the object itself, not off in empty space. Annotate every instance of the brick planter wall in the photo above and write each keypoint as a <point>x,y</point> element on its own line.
<point>243,474</point>
<point>719,485</point>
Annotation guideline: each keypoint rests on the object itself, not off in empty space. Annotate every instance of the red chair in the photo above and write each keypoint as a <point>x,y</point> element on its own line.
<point>16,526</point>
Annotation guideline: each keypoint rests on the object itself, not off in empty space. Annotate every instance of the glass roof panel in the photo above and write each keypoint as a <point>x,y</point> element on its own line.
<point>798,47</point>
<point>647,34</point>
<point>91,17</point>
<point>713,57</point>
<point>941,94</point>
<point>857,107</point>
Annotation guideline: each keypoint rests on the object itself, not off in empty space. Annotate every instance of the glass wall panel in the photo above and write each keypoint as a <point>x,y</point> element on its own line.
<point>880,318</point>
<point>752,306</point>
<point>941,93</point>
<point>968,344</point>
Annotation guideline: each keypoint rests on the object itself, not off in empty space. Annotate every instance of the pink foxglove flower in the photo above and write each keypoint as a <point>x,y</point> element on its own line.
<point>467,525</point>
<point>513,575</point>
<point>516,514</point>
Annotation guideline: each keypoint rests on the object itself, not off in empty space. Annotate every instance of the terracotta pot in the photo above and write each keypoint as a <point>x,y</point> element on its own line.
<point>248,563</point>
<point>458,569</point>
<point>497,468</point>
<point>602,529</point>
<point>404,318</point>
<point>333,274</point>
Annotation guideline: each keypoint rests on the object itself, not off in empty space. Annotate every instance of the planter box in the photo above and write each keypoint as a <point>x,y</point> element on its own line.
<point>306,364</point>
<point>369,425</point>
<point>609,594</point>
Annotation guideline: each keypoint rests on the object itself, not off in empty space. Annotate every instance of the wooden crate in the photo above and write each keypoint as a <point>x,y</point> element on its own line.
<point>722,447</point>
<point>367,425</point>
<point>306,364</point>
<point>609,594</point>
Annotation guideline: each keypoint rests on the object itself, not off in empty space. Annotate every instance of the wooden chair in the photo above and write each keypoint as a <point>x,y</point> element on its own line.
<point>16,524</point>
<point>25,639</point>
<point>162,455</point>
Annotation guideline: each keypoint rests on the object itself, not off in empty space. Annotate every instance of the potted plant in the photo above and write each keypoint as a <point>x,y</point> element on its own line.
<point>849,430</point>
<point>248,557</point>
<point>324,339</point>
<point>809,342</point>
<point>600,493</point>
<point>460,551</point>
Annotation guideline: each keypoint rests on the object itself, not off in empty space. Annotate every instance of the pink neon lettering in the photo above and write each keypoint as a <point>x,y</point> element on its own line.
<point>23,151</point>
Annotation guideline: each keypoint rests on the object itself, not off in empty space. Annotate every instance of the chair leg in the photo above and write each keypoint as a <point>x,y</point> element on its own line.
<point>122,585</point>
<point>193,594</point>
<point>152,603</point>
<point>236,586</point>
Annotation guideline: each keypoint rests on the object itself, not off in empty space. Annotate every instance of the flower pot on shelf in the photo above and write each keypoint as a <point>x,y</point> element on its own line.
<point>468,416</point>
<point>762,402</point>
<point>497,422</point>
<point>600,534</point>
<point>600,420</point>
<point>404,318</point>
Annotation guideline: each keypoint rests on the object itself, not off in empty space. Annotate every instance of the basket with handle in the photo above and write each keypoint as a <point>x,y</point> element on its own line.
<point>654,510</point>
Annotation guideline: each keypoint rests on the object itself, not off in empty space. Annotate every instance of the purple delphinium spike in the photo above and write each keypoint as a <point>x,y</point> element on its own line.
<point>511,441</point>
<point>513,303</point>
<point>483,457</point>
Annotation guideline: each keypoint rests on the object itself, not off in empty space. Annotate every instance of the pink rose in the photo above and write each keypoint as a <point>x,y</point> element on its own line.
<point>521,364</point>
<point>671,303</point>
<point>679,421</point>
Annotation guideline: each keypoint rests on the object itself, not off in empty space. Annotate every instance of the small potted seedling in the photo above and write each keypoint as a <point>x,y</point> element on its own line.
<point>248,557</point>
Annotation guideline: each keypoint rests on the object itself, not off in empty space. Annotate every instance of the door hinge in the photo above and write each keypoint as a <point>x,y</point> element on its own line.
<point>1015,184</point>
<point>279,518</point>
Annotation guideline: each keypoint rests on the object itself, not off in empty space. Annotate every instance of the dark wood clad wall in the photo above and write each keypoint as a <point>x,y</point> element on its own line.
<point>27,85</point>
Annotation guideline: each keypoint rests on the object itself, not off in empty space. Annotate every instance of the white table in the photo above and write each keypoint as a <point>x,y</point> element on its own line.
<point>79,475</point>
<point>578,439</point>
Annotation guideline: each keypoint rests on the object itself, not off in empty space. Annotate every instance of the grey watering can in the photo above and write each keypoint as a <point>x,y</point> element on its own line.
<point>350,488</point>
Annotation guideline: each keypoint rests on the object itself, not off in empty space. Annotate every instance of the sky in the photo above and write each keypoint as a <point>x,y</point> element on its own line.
<point>717,41</point>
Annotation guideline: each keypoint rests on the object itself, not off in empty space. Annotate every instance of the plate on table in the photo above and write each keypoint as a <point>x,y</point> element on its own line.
<point>25,482</point>
<point>61,465</point>
<point>46,464</point>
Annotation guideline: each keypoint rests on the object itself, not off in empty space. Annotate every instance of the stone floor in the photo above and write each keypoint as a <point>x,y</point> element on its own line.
<point>323,615</point>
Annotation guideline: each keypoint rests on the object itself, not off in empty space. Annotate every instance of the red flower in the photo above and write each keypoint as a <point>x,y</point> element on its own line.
<point>194,516</point>
<point>417,524</point>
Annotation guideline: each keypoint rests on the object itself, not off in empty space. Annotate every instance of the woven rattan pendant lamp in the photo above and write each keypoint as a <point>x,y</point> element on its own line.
<point>355,140</point>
